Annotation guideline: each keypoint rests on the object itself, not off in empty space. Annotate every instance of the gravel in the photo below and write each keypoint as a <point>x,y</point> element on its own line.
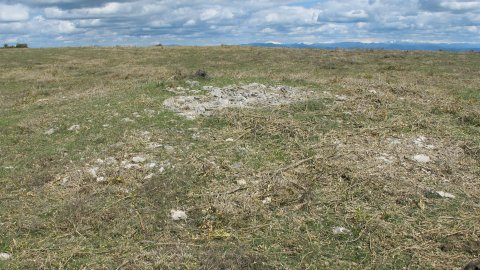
<point>234,96</point>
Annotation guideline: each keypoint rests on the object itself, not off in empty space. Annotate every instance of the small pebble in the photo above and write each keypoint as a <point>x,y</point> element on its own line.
<point>178,215</point>
<point>445,195</point>
<point>127,120</point>
<point>267,200</point>
<point>394,141</point>
<point>421,158</point>
<point>49,132</point>
<point>151,165</point>
<point>341,230</point>
<point>138,159</point>
<point>4,256</point>
<point>131,166</point>
<point>153,145</point>
<point>74,128</point>
<point>192,83</point>
<point>241,182</point>
<point>93,172</point>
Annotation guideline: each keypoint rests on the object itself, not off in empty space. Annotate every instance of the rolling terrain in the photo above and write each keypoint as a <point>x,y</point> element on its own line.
<point>375,166</point>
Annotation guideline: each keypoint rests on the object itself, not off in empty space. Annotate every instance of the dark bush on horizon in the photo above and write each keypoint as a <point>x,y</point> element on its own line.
<point>19,45</point>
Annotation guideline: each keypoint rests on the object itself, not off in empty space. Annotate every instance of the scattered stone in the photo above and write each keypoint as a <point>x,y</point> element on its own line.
<point>153,145</point>
<point>101,179</point>
<point>129,166</point>
<point>138,159</point>
<point>74,128</point>
<point>99,161</point>
<point>151,165</point>
<point>192,83</point>
<point>9,167</point>
<point>445,195</point>
<point>341,230</point>
<point>421,158</point>
<point>5,256</point>
<point>340,98</point>
<point>267,200</point>
<point>93,172</point>
<point>50,131</point>
<point>178,215</point>
<point>229,140</point>
<point>438,194</point>
<point>127,120</point>
<point>421,142</point>
<point>148,177</point>
<point>64,181</point>
<point>136,114</point>
<point>105,125</point>
<point>241,182</point>
<point>371,91</point>
<point>395,141</point>
<point>234,96</point>
<point>195,136</point>
<point>161,170</point>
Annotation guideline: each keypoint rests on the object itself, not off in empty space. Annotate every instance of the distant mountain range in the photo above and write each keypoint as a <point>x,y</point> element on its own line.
<point>452,47</point>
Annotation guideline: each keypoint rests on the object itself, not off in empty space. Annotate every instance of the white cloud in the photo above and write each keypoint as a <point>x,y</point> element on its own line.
<point>460,5</point>
<point>268,30</point>
<point>109,9</point>
<point>356,14</point>
<point>472,28</point>
<point>11,13</point>
<point>209,14</point>
<point>237,21</point>
<point>190,23</point>
<point>286,15</point>
<point>159,23</point>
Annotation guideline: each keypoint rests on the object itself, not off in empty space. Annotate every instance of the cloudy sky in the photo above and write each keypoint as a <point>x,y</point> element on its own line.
<point>43,23</point>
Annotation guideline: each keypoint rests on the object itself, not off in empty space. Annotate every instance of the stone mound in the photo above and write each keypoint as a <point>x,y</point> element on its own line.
<point>234,96</point>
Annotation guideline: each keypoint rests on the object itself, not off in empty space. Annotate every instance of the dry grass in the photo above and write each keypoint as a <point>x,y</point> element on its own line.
<point>270,198</point>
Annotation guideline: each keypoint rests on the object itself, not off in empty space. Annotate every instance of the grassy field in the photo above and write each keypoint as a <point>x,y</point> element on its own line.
<point>263,188</point>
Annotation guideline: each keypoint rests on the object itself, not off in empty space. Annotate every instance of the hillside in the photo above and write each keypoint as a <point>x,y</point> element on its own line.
<point>290,158</point>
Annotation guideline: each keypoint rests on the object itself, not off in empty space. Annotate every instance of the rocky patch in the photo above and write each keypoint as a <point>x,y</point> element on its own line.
<point>234,96</point>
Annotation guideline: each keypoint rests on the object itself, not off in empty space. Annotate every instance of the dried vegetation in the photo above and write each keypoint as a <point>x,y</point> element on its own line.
<point>262,187</point>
